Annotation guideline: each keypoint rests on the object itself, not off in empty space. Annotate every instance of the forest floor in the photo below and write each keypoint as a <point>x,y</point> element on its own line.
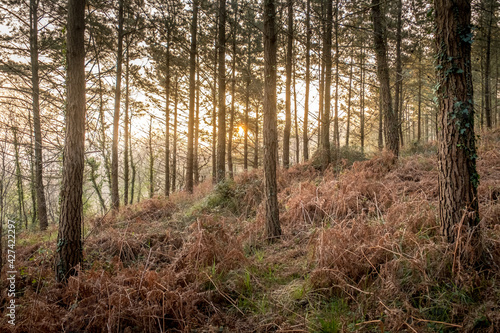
<point>360,251</point>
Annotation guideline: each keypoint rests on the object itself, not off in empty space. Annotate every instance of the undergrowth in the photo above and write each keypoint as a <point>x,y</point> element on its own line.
<point>361,251</point>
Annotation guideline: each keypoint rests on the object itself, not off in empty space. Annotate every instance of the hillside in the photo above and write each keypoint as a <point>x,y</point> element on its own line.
<point>360,251</point>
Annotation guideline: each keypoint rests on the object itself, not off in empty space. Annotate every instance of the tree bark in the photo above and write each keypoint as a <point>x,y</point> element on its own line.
<point>192,93</point>
<point>151,158</point>
<point>233,96</point>
<point>247,99</point>
<point>336,131</point>
<point>288,84</point>
<point>167,118</point>
<point>487,93</point>
<point>126,126</point>
<point>399,70</point>
<point>174,153</point>
<point>305,131</point>
<point>214,111</point>
<point>69,239</point>
<point>349,101</point>
<point>41,205</point>
<point>115,195</point>
<point>196,167</point>
<point>256,147</point>
<point>390,118</point>
<point>273,228</point>
<point>221,137</point>
<point>458,177</point>
<point>325,121</point>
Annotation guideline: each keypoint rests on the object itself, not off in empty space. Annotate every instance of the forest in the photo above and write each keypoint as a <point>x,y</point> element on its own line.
<point>249,166</point>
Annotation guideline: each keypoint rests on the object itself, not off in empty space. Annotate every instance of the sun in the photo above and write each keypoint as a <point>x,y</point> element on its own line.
<point>241,130</point>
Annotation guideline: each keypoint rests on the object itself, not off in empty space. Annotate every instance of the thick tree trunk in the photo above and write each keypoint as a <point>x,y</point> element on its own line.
<point>458,177</point>
<point>192,93</point>
<point>115,195</point>
<point>305,131</point>
<point>69,239</point>
<point>273,228</point>
<point>288,83</point>
<point>325,155</point>
<point>41,205</point>
<point>390,118</point>
<point>221,135</point>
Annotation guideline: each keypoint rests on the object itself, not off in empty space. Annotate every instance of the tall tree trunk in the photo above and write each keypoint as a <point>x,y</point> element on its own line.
<point>233,92</point>
<point>349,101</point>
<point>69,239</point>
<point>151,158</point>
<point>167,118</point>
<point>192,92</point>
<point>221,138</point>
<point>126,126</point>
<point>327,54</point>
<point>390,118</point>
<point>214,110</point>
<point>458,177</point>
<point>115,195</point>
<point>487,97</point>
<point>399,70</point>
<point>104,148</point>
<point>273,228</point>
<point>288,84</point>
<point>305,131</point>
<point>40,193</point>
<point>196,167</point>
<point>336,116</point>
<point>174,153</point>
<point>247,98</point>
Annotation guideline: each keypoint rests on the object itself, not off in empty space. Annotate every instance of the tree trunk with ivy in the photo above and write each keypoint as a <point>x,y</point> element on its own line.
<point>458,177</point>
